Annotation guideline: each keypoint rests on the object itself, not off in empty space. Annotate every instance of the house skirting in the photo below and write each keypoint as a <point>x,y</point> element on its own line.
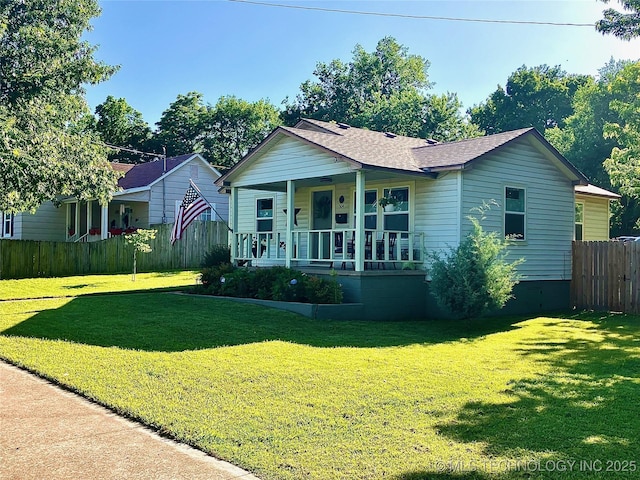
<point>404,295</point>
<point>400,295</point>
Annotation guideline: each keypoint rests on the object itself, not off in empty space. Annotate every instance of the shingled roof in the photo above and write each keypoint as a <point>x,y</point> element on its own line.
<point>144,174</point>
<point>372,149</point>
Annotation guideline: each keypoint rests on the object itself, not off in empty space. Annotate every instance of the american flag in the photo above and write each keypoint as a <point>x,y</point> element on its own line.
<point>192,206</point>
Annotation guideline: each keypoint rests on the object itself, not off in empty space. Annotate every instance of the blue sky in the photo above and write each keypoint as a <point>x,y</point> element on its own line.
<point>220,47</point>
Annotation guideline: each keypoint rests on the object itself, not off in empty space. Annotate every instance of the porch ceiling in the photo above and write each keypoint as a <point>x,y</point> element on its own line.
<point>370,176</point>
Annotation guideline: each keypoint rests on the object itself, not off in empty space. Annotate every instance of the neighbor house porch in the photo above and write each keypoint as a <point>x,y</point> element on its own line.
<point>89,221</point>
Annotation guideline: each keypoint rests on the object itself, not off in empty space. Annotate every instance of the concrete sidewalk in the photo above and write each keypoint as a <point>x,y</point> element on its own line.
<point>47,432</point>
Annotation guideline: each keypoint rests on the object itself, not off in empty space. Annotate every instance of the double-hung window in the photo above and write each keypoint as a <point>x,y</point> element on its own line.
<point>579,220</point>
<point>515,214</point>
<point>7,225</point>
<point>370,209</point>
<point>396,218</point>
<point>264,215</point>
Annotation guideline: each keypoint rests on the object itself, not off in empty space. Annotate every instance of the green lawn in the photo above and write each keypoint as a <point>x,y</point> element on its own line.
<point>290,398</point>
<point>75,286</point>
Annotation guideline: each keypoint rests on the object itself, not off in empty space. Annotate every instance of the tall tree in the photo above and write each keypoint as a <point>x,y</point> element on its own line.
<point>119,124</point>
<point>537,97</point>
<point>583,141</point>
<point>383,90</point>
<point>180,129</point>
<point>623,165</point>
<point>44,64</point>
<point>223,132</point>
<point>623,25</point>
<point>233,126</point>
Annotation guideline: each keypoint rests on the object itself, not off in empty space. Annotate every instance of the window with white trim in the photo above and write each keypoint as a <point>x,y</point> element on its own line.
<point>579,221</point>
<point>7,225</point>
<point>264,215</point>
<point>207,215</point>
<point>396,217</point>
<point>370,209</point>
<point>515,214</point>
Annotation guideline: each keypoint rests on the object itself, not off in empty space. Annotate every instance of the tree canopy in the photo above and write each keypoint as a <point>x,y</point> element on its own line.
<point>119,124</point>
<point>623,165</point>
<point>623,25</point>
<point>44,148</point>
<point>584,140</point>
<point>223,132</point>
<point>384,90</point>
<point>539,97</point>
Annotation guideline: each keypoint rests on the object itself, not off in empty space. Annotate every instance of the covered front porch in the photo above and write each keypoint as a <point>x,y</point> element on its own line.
<point>90,222</point>
<point>336,248</point>
<point>339,221</point>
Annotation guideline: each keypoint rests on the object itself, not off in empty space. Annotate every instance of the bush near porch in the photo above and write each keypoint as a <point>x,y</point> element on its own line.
<point>273,283</point>
<point>291,398</point>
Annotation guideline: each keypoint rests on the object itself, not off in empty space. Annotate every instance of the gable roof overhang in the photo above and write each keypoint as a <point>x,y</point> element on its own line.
<point>394,155</point>
<point>593,191</point>
<point>478,152</point>
<point>281,132</point>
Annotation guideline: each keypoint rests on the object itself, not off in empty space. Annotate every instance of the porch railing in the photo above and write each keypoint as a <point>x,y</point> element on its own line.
<point>336,246</point>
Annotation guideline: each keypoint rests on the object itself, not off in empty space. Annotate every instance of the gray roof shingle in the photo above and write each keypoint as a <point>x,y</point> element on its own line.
<point>368,148</point>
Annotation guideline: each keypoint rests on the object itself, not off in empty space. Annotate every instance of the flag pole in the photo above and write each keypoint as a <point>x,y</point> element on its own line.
<point>195,187</point>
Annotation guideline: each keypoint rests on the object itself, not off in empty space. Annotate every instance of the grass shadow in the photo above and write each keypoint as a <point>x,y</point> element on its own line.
<point>168,322</point>
<point>585,408</point>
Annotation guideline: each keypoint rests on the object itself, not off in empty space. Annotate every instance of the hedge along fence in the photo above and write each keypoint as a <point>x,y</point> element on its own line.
<point>28,258</point>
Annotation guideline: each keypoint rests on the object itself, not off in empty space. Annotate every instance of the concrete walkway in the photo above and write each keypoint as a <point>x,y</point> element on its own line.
<point>47,432</point>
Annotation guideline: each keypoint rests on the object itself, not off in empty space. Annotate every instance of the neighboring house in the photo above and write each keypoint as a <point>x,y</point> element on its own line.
<point>149,194</point>
<point>309,196</point>
<point>593,212</point>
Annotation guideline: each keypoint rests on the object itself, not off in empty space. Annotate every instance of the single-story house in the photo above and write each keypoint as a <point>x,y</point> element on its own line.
<point>375,205</point>
<point>149,194</point>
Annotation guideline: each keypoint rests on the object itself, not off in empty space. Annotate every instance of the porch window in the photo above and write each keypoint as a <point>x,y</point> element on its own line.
<point>7,225</point>
<point>514,213</point>
<point>264,215</point>
<point>397,217</point>
<point>370,209</point>
<point>579,220</point>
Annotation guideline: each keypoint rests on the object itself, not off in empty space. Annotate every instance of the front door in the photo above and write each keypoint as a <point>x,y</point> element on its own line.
<point>321,219</point>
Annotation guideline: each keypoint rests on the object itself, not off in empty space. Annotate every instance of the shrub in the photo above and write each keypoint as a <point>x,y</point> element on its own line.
<point>210,277</point>
<point>218,255</point>
<point>275,283</point>
<point>474,278</point>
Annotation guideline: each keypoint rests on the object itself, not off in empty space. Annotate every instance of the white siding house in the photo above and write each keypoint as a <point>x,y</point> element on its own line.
<point>149,194</point>
<point>309,197</point>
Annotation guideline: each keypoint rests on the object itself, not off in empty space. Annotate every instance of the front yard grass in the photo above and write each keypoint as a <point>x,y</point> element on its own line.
<point>291,398</point>
<point>83,285</point>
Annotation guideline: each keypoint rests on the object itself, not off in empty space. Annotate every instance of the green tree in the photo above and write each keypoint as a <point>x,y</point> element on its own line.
<point>623,165</point>
<point>537,97</point>
<point>45,150</point>
<point>583,142</point>
<point>385,90</point>
<point>474,278</point>
<point>233,126</point>
<point>180,129</point>
<point>119,124</point>
<point>139,240</point>
<point>622,25</point>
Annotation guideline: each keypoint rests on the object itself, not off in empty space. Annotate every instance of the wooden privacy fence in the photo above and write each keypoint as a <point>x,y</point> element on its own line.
<point>27,259</point>
<point>606,276</point>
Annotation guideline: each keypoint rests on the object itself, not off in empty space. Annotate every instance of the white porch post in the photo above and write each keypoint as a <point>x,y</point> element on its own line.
<point>104,222</point>
<point>234,223</point>
<point>89,216</point>
<point>291,215</point>
<point>359,240</point>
